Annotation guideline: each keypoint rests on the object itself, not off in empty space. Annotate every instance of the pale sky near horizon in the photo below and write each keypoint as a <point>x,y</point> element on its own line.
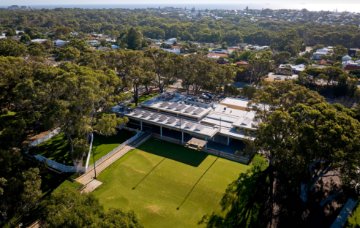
<point>344,5</point>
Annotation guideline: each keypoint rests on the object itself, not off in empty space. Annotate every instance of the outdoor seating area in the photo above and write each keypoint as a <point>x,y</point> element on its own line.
<point>196,144</point>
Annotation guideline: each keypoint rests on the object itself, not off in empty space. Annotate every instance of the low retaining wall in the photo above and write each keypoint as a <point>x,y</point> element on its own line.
<point>58,166</point>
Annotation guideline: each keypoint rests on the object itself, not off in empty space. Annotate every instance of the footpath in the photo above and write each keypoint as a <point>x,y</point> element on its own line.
<point>88,180</point>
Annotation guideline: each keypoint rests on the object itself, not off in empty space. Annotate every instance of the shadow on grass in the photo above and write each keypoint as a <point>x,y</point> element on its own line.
<point>245,202</point>
<point>102,145</point>
<point>57,149</point>
<point>193,187</point>
<point>119,138</point>
<point>153,168</point>
<point>173,152</point>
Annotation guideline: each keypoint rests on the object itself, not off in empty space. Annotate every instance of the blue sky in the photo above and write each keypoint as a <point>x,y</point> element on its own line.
<point>349,5</point>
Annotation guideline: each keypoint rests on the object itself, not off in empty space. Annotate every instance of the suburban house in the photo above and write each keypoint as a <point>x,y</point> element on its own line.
<point>349,64</point>
<point>39,41</point>
<point>319,53</point>
<point>217,55</point>
<point>171,41</point>
<point>172,50</point>
<point>60,43</point>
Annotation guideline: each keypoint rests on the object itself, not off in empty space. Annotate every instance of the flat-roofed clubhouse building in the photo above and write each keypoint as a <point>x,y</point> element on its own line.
<point>219,128</point>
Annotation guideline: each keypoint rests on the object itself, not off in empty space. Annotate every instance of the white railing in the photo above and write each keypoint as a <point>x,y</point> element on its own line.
<point>46,137</point>
<point>116,149</point>
<point>58,166</point>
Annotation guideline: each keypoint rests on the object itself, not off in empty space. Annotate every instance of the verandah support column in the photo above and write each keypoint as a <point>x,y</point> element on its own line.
<point>228,141</point>
<point>182,137</point>
<point>160,131</point>
<point>206,139</point>
<point>141,127</point>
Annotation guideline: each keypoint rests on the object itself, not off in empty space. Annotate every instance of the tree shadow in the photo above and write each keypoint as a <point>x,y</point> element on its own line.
<point>174,152</point>
<point>245,202</point>
<point>253,200</point>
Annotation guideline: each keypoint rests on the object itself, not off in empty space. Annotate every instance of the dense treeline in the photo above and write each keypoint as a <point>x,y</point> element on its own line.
<point>232,29</point>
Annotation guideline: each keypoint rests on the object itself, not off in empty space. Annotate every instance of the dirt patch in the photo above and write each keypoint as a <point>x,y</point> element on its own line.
<point>155,209</point>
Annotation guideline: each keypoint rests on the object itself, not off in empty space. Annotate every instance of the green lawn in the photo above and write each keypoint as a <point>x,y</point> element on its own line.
<point>159,177</point>
<point>354,220</point>
<point>57,148</point>
<point>104,144</point>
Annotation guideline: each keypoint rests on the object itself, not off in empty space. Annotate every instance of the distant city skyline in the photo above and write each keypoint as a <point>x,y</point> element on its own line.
<point>345,5</point>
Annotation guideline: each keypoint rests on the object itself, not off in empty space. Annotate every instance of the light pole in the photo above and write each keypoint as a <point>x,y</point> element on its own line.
<point>92,138</point>
<point>220,124</point>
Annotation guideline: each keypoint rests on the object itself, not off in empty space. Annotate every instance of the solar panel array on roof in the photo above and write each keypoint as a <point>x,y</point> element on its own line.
<point>154,116</point>
<point>171,120</point>
<point>180,107</point>
<point>198,111</point>
<point>199,127</point>
<point>189,125</point>
<point>137,112</point>
<point>162,118</point>
<point>146,114</point>
<point>173,105</point>
<point>164,104</point>
<point>190,109</point>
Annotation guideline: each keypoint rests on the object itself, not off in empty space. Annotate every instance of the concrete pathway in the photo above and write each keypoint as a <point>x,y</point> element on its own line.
<point>87,177</point>
<point>91,186</point>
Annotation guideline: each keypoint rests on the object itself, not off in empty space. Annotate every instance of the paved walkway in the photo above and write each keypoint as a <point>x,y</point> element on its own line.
<point>91,186</point>
<point>89,175</point>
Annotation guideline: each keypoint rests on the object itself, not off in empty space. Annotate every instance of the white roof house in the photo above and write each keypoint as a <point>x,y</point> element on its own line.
<point>173,50</point>
<point>39,41</point>
<point>93,42</point>
<point>60,43</point>
<point>171,41</point>
<point>346,58</point>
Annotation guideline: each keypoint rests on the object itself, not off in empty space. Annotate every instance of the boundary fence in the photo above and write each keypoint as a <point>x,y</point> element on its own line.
<point>116,149</point>
<point>58,166</point>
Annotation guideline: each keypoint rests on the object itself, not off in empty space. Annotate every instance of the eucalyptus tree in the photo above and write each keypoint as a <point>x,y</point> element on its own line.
<point>260,65</point>
<point>66,207</point>
<point>303,138</point>
<point>85,96</point>
<point>164,67</point>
